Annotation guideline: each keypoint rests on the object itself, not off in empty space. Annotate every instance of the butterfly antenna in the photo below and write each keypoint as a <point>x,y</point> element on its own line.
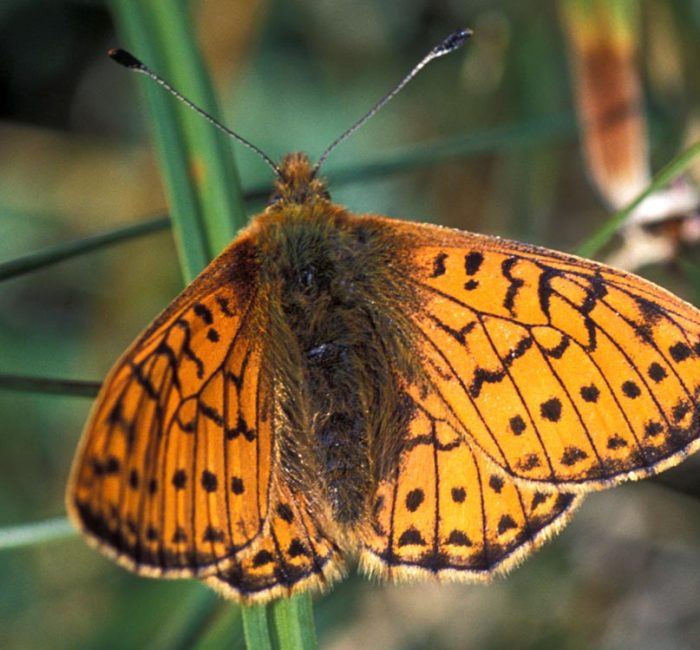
<point>122,57</point>
<point>453,42</point>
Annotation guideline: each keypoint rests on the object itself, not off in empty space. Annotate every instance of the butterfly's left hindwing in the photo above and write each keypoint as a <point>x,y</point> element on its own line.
<point>448,512</point>
<point>173,472</point>
<point>558,370</point>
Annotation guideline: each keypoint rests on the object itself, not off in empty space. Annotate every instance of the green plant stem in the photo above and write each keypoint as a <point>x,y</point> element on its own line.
<point>136,23</point>
<point>294,625</point>
<point>667,175</point>
<point>37,532</point>
<point>67,250</point>
<point>256,627</point>
<point>48,386</point>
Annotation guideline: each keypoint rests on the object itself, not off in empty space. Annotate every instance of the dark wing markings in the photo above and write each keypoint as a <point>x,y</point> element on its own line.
<point>520,396</point>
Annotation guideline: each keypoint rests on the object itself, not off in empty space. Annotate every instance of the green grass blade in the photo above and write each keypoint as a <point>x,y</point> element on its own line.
<point>48,386</point>
<point>255,627</point>
<point>35,533</point>
<point>294,623</point>
<point>667,175</point>
<point>201,180</point>
<point>135,22</point>
<point>59,252</point>
<point>210,153</point>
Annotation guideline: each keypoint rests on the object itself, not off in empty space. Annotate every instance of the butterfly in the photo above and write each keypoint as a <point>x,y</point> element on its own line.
<point>431,402</point>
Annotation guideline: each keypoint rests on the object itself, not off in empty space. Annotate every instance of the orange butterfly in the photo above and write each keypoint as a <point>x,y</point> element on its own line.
<point>332,386</point>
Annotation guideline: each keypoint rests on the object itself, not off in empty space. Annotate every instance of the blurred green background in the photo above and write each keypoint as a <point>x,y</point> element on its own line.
<point>76,159</point>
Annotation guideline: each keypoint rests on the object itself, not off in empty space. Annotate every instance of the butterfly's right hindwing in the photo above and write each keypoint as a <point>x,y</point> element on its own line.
<point>173,473</point>
<point>295,554</point>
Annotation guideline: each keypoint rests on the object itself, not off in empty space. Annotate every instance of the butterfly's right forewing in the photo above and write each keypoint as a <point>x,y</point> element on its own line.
<point>174,468</point>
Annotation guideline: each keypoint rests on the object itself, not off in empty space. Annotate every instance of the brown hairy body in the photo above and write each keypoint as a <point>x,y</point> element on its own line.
<point>335,340</point>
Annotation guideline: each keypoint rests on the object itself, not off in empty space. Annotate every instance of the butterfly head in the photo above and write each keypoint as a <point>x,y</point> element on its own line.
<point>297,183</point>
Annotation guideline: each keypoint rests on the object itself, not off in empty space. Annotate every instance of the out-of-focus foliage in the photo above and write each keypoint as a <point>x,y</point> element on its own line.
<point>76,159</point>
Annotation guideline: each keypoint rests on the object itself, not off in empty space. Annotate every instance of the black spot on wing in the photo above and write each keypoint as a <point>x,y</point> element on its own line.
<point>529,462</point>
<point>297,548</point>
<point>203,312</point>
<point>262,558</point>
<point>631,389</point>
<point>411,536</point>
<point>473,262</point>
<point>458,538</point>
<point>459,494</point>
<point>496,483</point>
<point>224,306</point>
<point>414,499</point>
<point>517,425</point>
<point>572,455</point>
<point>514,286</point>
<point>616,442</point>
<point>680,352</point>
<point>537,499</point>
<point>652,429</point>
<point>179,479</point>
<point>656,372</point>
<point>285,512</point>
<point>209,481</point>
<point>439,265</point>
<point>506,523</point>
<point>590,393</point>
<point>237,485</point>
<point>680,410</point>
<point>212,534</point>
<point>112,465</point>
<point>551,409</point>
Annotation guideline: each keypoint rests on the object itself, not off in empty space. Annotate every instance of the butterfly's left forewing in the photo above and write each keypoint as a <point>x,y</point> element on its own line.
<point>560,371</point>
<point>173,473</point>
